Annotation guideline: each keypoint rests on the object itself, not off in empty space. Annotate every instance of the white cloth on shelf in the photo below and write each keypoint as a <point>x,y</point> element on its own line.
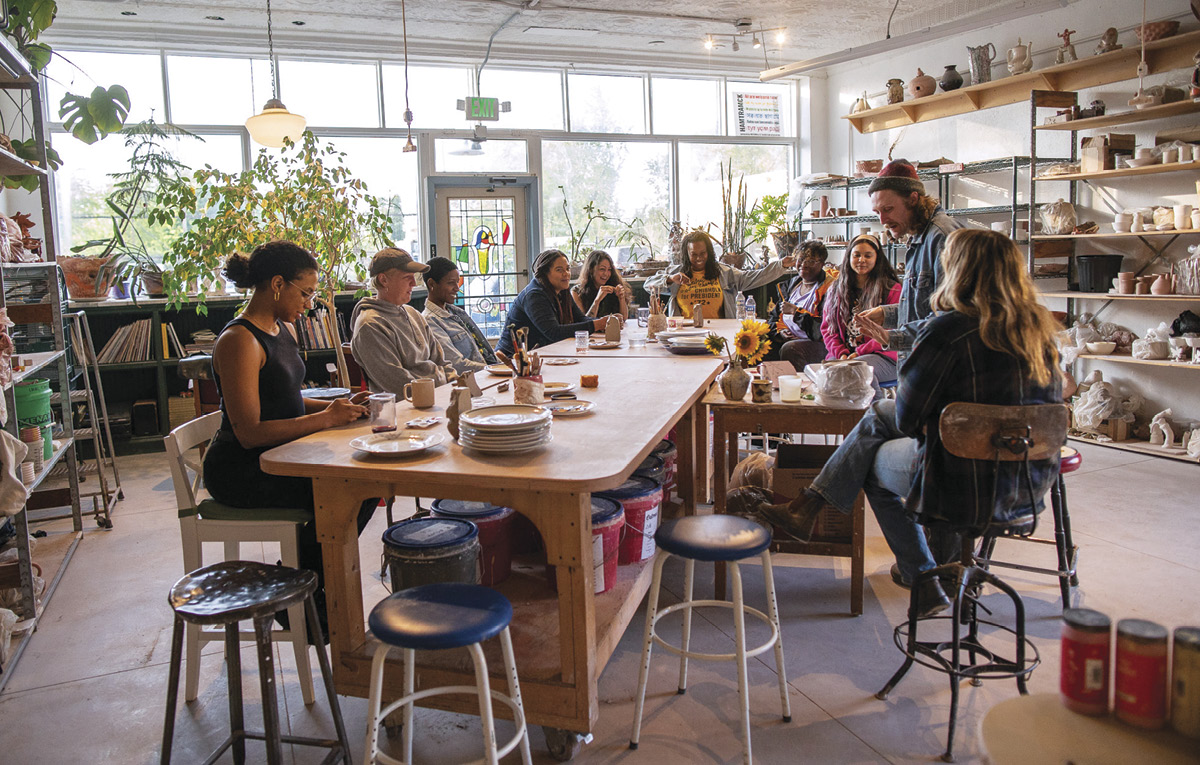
<point>13,493</point>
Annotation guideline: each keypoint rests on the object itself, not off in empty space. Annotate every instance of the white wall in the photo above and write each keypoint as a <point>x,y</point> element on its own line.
<point>1004,131</point>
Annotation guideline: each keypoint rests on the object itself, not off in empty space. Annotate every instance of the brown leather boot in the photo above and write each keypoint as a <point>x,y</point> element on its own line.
<point>798,517</point>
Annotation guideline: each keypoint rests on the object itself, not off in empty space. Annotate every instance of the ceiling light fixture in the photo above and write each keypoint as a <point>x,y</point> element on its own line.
<point>757,42</point>
<point>408,115</point>
<point>708,42</point>
<point>780,37</point>
<point>736,47</point>
<point>274,123</point>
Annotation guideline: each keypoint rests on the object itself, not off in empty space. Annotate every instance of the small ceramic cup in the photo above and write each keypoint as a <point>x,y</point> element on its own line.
<point>1144,153</point>
<point>760,391</point>
<point>1170,155</point>
<point>1196,152</point>
<point>1183,217</point>
<point>1196,219</point>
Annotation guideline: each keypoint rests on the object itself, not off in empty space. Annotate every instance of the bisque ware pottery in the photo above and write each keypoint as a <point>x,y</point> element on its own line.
<point>922,85</point>
<point>1163,285</point>
<point>895,90</point>
<point>1020,58</point>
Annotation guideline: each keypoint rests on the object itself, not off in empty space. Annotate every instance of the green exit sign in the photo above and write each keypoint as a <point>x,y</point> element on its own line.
<point>481,109</point>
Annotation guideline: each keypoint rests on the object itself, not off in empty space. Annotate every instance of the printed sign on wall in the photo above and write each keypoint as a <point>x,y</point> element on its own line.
<point>758,114</point>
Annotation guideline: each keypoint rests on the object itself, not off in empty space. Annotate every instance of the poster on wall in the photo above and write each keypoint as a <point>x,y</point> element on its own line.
<point>758,114</point>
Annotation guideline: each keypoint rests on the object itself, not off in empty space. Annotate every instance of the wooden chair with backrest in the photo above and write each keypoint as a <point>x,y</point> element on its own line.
<point>993,435</point>
<point>206,520</point>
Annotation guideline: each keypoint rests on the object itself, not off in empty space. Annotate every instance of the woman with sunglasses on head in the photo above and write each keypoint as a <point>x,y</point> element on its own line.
<point>865,281</point>
<point>259,373</point>
<point>600,290</point>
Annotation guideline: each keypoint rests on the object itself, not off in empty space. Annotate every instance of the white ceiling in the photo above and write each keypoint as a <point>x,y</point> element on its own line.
<point>594,33</point>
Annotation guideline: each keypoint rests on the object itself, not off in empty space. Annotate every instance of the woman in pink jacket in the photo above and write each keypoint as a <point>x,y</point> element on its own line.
<point>866,281</point>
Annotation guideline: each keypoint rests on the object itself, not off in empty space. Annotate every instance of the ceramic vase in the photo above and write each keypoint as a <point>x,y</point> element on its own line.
<point>951,79</point>
<point>895,90</point>
<point>656,323</point>
<point>922,85</point>
<point>735,381</point>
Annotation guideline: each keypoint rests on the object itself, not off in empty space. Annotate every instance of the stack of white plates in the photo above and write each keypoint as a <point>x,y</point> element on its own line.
<point>510,429</point>
<point>688,341</point>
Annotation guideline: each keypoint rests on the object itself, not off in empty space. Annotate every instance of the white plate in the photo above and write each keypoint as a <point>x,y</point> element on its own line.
<point>559,387</point>
<point>570,408</point>
<point>560,362</point>
<point>506,417</point>
<point>500,370</point>
<point>398,442</point>
<point>603,345</point>
<point>475,443</point>
<point>485,437</point>
<point>684,332</point>
<point>688,341</point>
<point>507,449</point>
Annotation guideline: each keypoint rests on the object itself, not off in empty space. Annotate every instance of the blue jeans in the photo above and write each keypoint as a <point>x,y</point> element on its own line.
<point>883,369</point>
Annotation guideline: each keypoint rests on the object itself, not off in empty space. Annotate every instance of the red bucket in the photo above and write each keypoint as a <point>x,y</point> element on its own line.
<point>607,520</point>
<point>666,452</point>
<point>495,534</point>
<point>642,500</point>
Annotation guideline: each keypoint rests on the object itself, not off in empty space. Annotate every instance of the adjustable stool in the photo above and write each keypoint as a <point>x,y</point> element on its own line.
<point>1068,553</point>
<point>229,592</point>
<point>728,539</point>
<point>433,617</point>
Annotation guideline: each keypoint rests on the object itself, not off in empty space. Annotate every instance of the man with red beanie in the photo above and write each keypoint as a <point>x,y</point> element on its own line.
<point>905,210</point>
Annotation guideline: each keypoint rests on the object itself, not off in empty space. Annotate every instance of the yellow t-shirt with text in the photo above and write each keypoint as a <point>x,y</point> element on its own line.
<point>707,292</point>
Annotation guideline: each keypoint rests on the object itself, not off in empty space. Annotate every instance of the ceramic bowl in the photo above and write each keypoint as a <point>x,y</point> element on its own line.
<point>1143,161</point>
<point>1101,348</point>
<point>1159,349</point>
<point>1122,228</point>
<point>1156,30</point>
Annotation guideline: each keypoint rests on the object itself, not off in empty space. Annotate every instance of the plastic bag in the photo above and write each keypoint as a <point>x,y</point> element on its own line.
<point>1058,217</point>
<point>843,383</point>
<point>1155,345</point>
<point>755,470</point>
<point>1098,403</point>
<point>8,620</point>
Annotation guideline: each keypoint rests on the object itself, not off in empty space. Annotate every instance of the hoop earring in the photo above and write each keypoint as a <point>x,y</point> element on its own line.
<point>276,296</point>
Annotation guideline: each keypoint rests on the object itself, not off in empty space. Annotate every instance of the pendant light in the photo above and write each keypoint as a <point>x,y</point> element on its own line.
<point>408,115</point>
<point>274,123</point>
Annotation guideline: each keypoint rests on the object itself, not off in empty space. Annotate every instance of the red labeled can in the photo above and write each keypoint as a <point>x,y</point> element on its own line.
<point>1141,674</point>
<point>1086,647</point>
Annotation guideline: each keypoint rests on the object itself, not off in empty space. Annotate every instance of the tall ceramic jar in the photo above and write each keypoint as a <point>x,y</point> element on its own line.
<point>655,324</point>
<point>735,381</point>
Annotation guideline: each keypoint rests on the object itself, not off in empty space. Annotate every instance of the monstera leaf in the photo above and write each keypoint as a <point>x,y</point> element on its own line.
<point>27,150</point>
<point>90,118</point>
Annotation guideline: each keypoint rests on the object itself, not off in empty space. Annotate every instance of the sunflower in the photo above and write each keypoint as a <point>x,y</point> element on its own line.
<point>758,355</point>
<point>745,343</point>
<point>758,328</point>
<point>714,343</point>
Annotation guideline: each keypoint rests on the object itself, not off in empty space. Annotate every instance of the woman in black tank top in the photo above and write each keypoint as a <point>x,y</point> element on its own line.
<point>259,373</point>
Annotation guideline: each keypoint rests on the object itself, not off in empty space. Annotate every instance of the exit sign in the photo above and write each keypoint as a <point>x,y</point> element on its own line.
<point>481,109</point>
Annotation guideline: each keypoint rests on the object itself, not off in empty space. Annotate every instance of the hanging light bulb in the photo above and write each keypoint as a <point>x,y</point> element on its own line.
<point>736,47</point>
<point>780,36</point>
<point>757,42</point>
<point>408,115</point>
<point>274,123</point>
<point>708,42</point>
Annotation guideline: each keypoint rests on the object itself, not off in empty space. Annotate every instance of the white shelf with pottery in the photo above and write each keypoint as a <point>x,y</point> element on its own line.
<point>1140,447</point>
<point>1118,296</point>
<point>1115,235</point>
<point>1126,359</point>
<point>1124,172</point>
<point>1162,111</point>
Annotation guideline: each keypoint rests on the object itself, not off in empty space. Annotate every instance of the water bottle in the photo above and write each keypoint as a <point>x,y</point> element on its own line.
<point>751,310</point>
<point>741,306</point>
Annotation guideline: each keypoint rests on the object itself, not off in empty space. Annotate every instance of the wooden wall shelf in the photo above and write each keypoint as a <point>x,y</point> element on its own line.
<point>1110,296</point>
<point>1161,111</point>
<point>1124,172</point>
<point>1088,72</point>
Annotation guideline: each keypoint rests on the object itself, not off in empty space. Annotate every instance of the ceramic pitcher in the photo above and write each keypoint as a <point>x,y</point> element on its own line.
<point>1020,58</point>
<point>981,63</point>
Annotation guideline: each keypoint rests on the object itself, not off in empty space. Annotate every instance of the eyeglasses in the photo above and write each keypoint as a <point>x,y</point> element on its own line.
<point>308,295</point>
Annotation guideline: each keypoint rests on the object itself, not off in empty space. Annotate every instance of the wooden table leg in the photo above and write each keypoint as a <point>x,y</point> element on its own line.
<point>687,459</point>
<point>700,429</point>
<point>720,453</point>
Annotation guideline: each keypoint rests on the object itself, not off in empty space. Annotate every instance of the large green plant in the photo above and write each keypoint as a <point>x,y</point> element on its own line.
<point>305,194</point>
<point>769,216</point>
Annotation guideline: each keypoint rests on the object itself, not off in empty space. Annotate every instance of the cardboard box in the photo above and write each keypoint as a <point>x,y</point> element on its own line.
<point>796,465</point>
<point>1096,152</point>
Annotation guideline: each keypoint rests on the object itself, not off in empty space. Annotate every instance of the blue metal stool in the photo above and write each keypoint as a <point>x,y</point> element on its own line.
<point>434,617</point>
<point>713,538</point>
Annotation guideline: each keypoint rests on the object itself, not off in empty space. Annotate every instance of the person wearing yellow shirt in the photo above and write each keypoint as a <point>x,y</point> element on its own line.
<point>714,285</point>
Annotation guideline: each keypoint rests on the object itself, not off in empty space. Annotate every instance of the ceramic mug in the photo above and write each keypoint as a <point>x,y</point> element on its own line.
<point>1196,219</point>
<point>1196,152</point>
<point>1124,286</point>
<point>1144,153</point>
<point>529,390</point>
<point>1170,155</point>
<point>420,392</point>
<point>1183,217</point>
<point>760,391</point>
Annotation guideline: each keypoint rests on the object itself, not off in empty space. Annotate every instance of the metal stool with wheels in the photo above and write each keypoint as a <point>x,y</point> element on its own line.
<point>435,617</point>
<point>729,539</point>
<point>233,591</point>
<point>995,435</point>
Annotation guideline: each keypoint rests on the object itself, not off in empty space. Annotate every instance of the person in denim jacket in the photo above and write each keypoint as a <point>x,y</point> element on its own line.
<point>464,345</point>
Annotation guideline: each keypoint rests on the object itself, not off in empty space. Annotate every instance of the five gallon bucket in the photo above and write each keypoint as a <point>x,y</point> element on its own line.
<point>667,453</point>
<point>1096,272</point>
<point>33,409</point>
<point>642,499</point>
<point>607,519</point>
<point>431,550</point>
<point>495,525</point>
<point>653,468</point>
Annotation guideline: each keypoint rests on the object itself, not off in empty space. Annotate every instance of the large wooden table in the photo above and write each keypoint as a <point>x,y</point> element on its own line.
<point>562,639</point>
<point>733,417</point>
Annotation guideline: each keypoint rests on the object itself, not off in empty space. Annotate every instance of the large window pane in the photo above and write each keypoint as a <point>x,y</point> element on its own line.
<point>760,108</point>
<point>458,155</point>
<point>606,103</point>
<point>223,152</point>
<point>391,175</point>
<point>433,94</point>
<point>81,72</point>
<point>327,94</point>
<point>217,91</point>
<point>536,97</point>
<point>628,181</point>
<point>764,170</point>
<point>685,107</point>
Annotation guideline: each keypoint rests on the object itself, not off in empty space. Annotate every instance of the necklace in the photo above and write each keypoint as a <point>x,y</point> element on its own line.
<point>272,330</point>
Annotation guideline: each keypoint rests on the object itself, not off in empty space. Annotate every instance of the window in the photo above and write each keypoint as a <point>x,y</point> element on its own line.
<point>630,181</point>
<point>537,99</point>
<point>459,155</point>
<point>606,103</point>
<point>433,93</point>
<point>345,95</point>
<point>217,91</point>
<point>390,175</point>
<point>138,73</point>
<point>765,169</point>
<point>685,107</point>
<point>760,108</point>
<point>223,152</point>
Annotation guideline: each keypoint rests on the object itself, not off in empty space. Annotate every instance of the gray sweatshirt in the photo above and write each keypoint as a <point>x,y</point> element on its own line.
<point>393,345</point>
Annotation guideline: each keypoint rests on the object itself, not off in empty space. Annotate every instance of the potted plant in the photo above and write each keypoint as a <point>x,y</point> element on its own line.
<point>769,217</point>
<point>128,254</point>
<point>306,195</point>
<point>734,219</point>
<point>628,233</point>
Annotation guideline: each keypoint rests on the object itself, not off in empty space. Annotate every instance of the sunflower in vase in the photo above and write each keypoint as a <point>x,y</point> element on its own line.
<point>749,345</point>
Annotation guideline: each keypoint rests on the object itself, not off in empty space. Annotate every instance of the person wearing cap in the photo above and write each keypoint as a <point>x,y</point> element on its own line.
<point>545,306</point>
<point>390,339</point>
<point>464,345</point>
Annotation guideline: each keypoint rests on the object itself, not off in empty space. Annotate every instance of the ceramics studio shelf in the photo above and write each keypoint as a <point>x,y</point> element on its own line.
<point>1124,359</point>
<point>1162,111</point>
<point>1116,235</point>
<point>1111,296</point>
<point>1124,172</point>
<point>1088,72</point>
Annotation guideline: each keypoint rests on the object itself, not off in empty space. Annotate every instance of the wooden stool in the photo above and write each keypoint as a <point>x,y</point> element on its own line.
<point>229,592</point>
<point>435,617</point>
<point>729,539</point>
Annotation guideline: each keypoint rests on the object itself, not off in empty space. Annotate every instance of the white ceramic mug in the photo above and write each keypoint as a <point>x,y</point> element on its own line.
<point>1183,217</point>
<point>1170,155</point>
<point>420,392</point>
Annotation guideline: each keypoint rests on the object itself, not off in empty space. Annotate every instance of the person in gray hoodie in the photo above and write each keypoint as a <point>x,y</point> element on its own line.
<point>391,340</point>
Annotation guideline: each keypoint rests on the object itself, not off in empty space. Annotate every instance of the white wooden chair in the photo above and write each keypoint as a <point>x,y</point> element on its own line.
<point>206,520</point>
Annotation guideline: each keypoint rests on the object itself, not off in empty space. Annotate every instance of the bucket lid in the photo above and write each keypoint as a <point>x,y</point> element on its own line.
<point>604,510</point>
<point>664,446</point>
<point>430,532</point>
<point>461,508</point>
<point>650,465</point>
<point>1142,631</point>
<point>1087,619</point>
<point>1187,636</point>
<point>634,486</point>
<point>34,384</point>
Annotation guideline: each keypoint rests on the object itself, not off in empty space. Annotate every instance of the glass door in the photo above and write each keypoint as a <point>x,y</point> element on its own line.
<point>483,230</point>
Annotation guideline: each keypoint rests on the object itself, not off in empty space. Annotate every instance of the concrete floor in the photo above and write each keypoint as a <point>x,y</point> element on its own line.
<point>91,685</point>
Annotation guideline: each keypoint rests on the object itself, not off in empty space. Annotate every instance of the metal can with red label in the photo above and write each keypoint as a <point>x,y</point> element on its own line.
<point>1141,673</point>
<point>1086,647</point>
